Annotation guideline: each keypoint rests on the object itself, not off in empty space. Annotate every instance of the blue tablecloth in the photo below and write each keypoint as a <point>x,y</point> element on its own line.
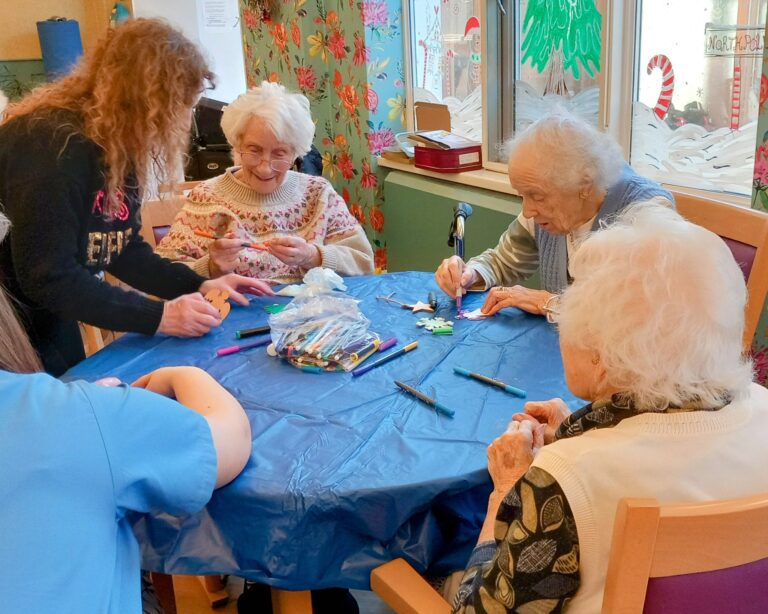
<point>347,473</point>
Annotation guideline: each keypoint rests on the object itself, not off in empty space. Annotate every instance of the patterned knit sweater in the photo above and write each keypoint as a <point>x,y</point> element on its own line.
<point>303,206</point>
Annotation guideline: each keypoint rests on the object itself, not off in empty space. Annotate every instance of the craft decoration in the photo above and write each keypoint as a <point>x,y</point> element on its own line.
<point>431,324</point>
<point>209,235</point>
<point>218,298</point>
<point>667,84</point>
<point>416,307</point>
<point>475,314</point>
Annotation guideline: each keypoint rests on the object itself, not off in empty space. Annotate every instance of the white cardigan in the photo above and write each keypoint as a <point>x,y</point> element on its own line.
<point>677,457</point>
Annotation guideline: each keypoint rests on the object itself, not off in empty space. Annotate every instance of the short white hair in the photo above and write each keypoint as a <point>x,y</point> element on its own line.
<point>569,151</point>
<point>286,113</point>
<point>661,301</point>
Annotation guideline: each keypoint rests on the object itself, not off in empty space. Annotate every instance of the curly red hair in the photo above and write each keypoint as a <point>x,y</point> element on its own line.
<point>134,91</point>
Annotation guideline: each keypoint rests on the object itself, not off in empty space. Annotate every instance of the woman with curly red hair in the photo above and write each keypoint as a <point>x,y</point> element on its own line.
<point>76,156</point>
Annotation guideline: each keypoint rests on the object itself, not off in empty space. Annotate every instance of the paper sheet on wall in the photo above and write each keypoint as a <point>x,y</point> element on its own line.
<point>215,14</point>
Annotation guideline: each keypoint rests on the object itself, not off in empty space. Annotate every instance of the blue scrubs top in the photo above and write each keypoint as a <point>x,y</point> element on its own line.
<point>74,460</point>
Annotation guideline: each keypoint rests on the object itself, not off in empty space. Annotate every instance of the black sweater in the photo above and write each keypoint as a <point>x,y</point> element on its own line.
<point>52,186</point>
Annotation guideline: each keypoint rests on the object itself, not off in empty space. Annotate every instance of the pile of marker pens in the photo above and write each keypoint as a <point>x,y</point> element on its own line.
<point>326,344</point>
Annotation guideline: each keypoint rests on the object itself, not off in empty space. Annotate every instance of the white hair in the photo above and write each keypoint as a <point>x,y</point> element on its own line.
<point>3,104</point>
<point>661,301</point>
<point>569,152</point>
<point>287,114</point>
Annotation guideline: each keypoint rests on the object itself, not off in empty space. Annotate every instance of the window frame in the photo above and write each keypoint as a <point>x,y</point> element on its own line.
<point>617,79</point>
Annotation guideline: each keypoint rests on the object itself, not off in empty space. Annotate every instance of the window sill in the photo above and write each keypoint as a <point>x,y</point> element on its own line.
<point>499,182</point>
<point>488,180</point>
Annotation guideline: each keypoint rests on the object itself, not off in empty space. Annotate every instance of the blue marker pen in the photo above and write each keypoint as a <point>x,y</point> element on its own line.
<point>493,382</point>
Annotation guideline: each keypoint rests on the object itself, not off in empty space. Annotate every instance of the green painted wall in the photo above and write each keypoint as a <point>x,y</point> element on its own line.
<point>419,215</point>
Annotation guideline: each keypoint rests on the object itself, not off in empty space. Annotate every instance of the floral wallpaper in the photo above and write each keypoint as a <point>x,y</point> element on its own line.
<point>346,56</point>
<point>760,202</point>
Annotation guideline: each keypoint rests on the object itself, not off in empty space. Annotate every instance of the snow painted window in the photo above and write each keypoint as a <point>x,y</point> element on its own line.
<point>543,55</point>
<point>698,90</point>
<point>445,57</point>
<point>558,55</point>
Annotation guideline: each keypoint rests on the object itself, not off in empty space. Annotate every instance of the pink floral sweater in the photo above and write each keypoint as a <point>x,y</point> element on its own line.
<point>303,206</point>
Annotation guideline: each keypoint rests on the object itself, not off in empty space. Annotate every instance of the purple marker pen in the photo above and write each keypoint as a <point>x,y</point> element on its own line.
<point>385,345</point>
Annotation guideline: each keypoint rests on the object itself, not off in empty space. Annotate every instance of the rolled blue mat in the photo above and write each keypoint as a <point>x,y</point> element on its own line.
<point>61,45</point>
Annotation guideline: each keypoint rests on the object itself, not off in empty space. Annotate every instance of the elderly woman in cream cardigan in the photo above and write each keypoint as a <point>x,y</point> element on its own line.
<point>259,218</point>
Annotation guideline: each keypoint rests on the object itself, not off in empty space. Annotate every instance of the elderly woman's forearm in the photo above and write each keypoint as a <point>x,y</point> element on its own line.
<point>349,256</point>
<point>514,259</point>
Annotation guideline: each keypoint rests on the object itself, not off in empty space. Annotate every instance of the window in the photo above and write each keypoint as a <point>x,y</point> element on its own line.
<point>681,93</point>
<point>697,92</point>
<point>445,60</point>
<point>549,57</point>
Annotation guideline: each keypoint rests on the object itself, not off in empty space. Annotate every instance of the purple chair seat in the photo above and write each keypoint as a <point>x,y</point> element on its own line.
<point>734,590</point>
<point>744,255</point>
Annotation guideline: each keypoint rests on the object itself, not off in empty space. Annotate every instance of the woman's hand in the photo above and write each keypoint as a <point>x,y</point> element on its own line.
<point>189,315</point>
<point>548,413</point>
<point>223,254</point>
<point>510,455</point>
<point>454,276</point>
<point>295,251</point>
<point>235,285</point>
<point>523,298</point>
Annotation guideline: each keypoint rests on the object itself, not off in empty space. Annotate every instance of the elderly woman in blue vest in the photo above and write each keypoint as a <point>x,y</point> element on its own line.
<point>571,178</point>
<point>651,335</point>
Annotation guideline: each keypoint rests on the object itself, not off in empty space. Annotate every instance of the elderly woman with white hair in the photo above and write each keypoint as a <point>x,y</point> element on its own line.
<point>571,178</point>
<point>298,219</point>
<point>650,334</point>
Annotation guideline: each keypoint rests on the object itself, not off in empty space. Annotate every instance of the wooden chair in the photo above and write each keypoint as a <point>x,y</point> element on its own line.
<point>746,233</point>
<point>158,215</point>
<point>691,558</point>
<point>402,588</point>
<point>698,558</point>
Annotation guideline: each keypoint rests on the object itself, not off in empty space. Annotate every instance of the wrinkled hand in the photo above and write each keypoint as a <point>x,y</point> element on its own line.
<point>453,275</point>
<point>510,455</point>
<point>295,251</point>
<point>188,316</point>
<point>235,285</point>
<point>523,298</point>
<point>223,254</point>
<point>548,413</point>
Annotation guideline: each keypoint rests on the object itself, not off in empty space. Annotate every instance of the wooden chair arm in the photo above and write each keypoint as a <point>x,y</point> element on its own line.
<point>405,591</point>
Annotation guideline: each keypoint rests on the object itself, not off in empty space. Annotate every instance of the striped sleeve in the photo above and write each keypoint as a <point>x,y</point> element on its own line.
<point>513,260</point>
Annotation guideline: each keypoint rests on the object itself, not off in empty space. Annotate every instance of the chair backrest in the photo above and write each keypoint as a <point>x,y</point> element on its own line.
<point>158,215</point>
<point>689,558</point>
<point>745,231</point>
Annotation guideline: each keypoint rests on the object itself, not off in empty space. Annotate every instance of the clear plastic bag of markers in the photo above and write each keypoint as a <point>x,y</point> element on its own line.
<point>322,333</point>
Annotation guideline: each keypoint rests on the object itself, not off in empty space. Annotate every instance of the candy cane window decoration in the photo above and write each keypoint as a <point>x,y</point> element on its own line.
<point>667,84</point>
<point>736,97</point>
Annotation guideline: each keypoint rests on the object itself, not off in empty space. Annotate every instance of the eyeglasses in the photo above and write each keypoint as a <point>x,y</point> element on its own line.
<point>279,165</point>
<point>551,308</point>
